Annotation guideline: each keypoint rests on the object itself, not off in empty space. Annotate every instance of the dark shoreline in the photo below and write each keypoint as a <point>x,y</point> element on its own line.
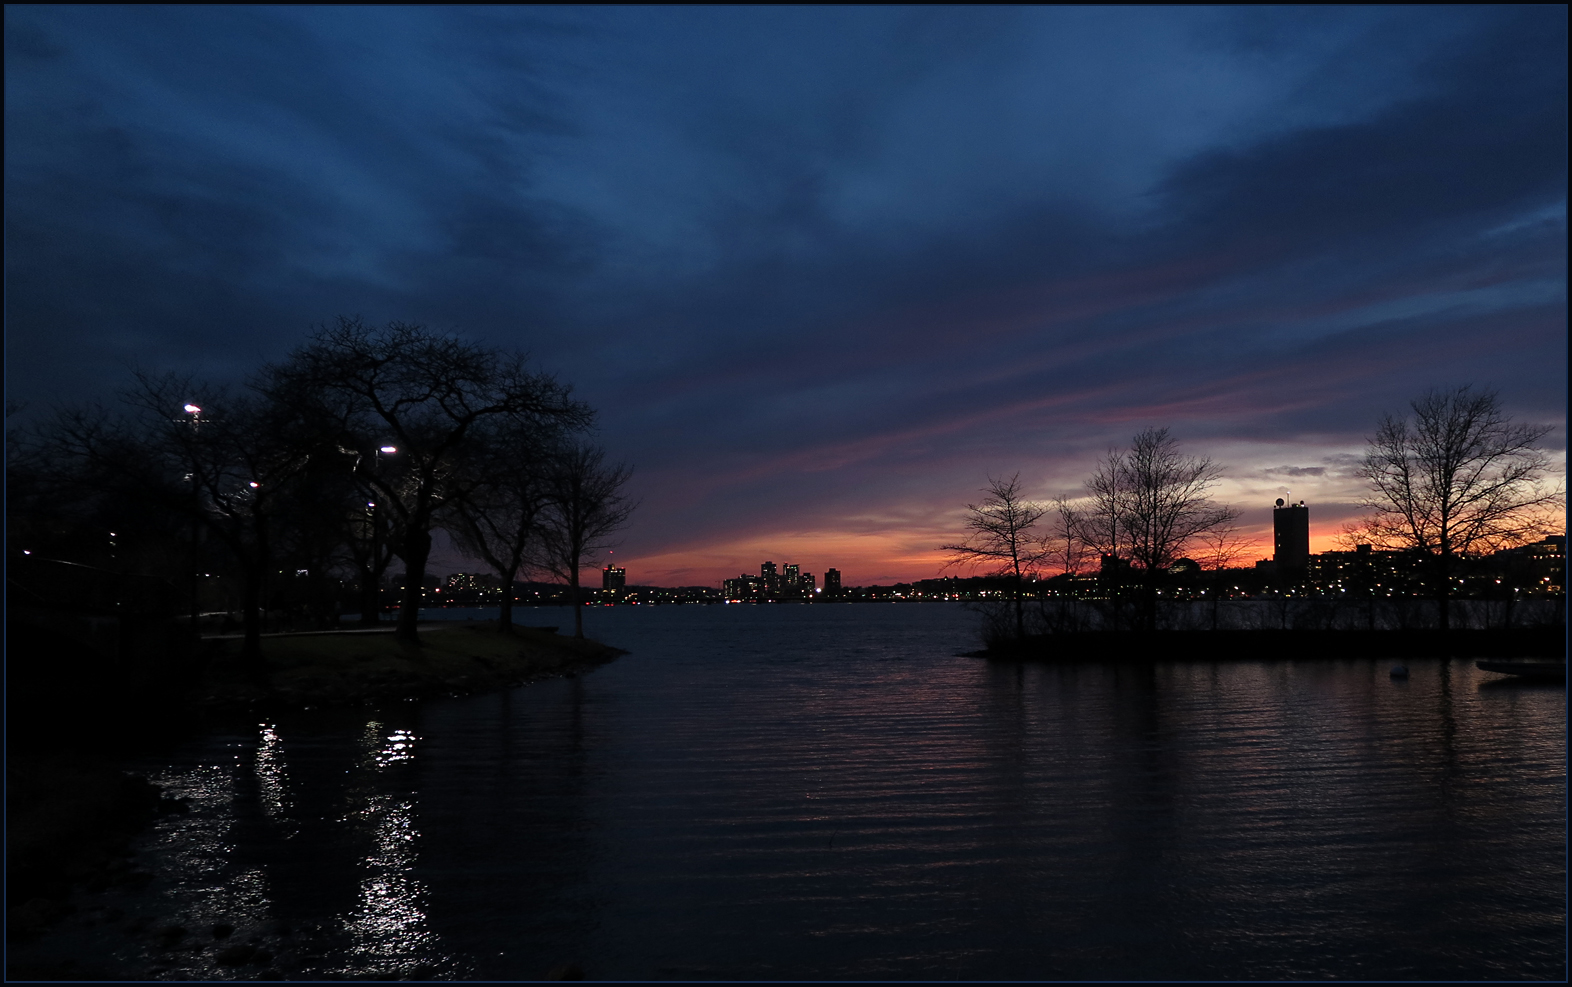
<point>1237,645</point>
<point>316,669</point>
<point>72,807</point>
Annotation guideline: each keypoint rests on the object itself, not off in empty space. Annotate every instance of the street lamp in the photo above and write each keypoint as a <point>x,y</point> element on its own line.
<point>196,524</point>
<point>376,530</point>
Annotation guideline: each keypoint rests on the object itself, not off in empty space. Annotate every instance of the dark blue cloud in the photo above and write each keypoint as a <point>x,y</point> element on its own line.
<point>810,259</point>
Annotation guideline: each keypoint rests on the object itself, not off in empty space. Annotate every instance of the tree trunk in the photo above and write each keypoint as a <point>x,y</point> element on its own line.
<point>1020,620</point>
<point>578,609</point>
<point>370,598</point>
<point>417,547</point>
<point>1444,590</point>
<point>505,618</point>
<point>251,609</point>
<point>256,600</point>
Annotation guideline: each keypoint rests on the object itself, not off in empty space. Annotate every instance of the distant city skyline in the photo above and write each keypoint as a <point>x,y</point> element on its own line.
<point>1536,570</point>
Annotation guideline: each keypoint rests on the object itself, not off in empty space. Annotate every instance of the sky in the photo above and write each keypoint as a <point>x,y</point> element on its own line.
<point>821,271</point>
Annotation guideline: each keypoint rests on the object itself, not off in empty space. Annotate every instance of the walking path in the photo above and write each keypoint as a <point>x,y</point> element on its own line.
<point>439,625</point>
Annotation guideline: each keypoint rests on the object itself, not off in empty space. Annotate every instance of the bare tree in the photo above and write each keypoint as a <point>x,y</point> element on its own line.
<point>425,395</point>
<point>1100,521</point>
<point>583,506</point>
<point>367,540</point>
<point>499,519</point>
<point>1000,535</point>
<point>1459,478</point>
<point>1067,548</point>
<point>87,492</point>
<point>1148,505</point>
<point>1220,548</point>
<point>241,455</point>
<point>225,461</point>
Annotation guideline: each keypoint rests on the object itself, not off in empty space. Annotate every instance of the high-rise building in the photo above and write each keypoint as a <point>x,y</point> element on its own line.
<point>832,582</point>
<point>771,577</point>
<point>613,580</point>
<point>744,588</point>
<point>1291,539</point>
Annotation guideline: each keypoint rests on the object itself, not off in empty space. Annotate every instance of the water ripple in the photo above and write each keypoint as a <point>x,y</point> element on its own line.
<point>828,792</point>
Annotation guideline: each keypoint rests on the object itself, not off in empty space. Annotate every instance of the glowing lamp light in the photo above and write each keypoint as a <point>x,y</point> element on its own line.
<point>389,449</point>
<point>254,484</point>
<point>192,409</point>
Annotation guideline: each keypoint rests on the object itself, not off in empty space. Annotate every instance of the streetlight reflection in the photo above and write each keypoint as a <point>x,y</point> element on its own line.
<point>388,929</point>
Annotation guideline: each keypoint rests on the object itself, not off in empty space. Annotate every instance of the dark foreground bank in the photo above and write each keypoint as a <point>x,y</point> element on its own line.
<point>1102,646</point>
<point>82,701</point>
<point>453,658</point>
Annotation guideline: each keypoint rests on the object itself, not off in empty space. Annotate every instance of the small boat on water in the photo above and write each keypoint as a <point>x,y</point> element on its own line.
<point>1547,671</point>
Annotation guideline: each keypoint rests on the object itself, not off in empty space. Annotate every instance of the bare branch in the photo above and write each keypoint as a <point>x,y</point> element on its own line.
<point>1458,479</point>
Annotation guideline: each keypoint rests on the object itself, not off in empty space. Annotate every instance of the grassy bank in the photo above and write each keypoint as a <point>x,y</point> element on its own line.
<point>333,669</point>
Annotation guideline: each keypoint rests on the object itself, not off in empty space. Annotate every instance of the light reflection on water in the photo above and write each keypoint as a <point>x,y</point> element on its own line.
<point>312,857</point>
<point>272,771</point>
<point>828,792</point>
<point>387,930</point>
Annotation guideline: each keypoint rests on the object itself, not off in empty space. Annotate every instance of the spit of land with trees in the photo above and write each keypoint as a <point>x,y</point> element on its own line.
<point>1455,488</point>
<point>169,554</point>
<point>278,504</point>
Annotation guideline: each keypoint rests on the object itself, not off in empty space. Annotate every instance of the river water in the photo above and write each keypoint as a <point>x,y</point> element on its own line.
<point>831,792</point>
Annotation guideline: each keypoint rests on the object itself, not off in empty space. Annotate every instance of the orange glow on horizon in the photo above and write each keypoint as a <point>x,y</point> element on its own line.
<point>863,558</point>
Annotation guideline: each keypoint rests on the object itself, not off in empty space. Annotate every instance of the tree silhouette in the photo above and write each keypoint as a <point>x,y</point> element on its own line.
<point>1148,505</point>
<point>1000,534</point>
<point>1458,478</point>
<point>583,505</point>
<point>1220,548</point>
<point>427,395</point>
<point>499,519</point>
<point>241,454</point>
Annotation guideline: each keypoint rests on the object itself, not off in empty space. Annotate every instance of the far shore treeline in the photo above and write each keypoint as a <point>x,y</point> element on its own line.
<point>186,496</point>
<point>1457,492</point>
